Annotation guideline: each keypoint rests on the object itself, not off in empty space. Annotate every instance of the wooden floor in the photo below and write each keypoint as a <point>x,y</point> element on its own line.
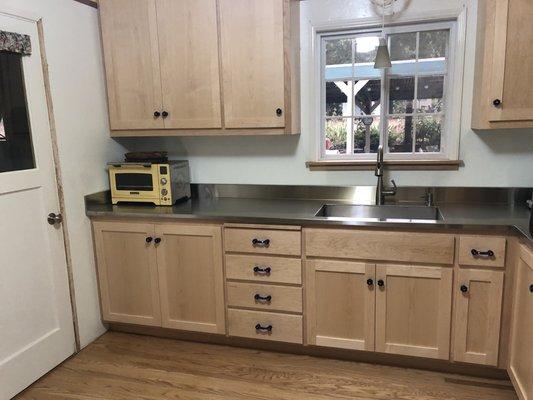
<point>124,366</point>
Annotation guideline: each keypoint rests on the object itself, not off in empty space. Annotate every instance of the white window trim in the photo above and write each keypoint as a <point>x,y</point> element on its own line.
<point>455,20</point>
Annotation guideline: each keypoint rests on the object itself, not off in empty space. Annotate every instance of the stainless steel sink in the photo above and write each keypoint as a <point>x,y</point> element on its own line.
<point>392,212</point>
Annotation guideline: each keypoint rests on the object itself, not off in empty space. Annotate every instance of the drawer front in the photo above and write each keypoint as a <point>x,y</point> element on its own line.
<point>383,246</point>
<point>267,297</point>
<point>264,269</point>
<point>263,241</point>
<point>272,326</point>
<point>483,251</point>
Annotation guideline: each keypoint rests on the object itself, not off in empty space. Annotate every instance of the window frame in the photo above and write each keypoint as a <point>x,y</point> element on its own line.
<point>452,96</point>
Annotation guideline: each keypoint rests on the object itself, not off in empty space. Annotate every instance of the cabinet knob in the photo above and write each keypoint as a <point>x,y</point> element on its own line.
<point>262,270</point>
<point>263,299</point>
<point>157,240</point>
<point>370,282</point>
<point>477,253</point>
<point>261,328</point>
<point>531,288</point>
<point>464,288</point>
<point>261,243</point>
<point>149,239</point>
<point>279,112</point>
<point>496,102</point>
<point>157,114</point>
<point>164,114</point>
<point>381,283</point>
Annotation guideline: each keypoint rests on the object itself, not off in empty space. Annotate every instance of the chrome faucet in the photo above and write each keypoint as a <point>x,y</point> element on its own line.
<point>381,191</point>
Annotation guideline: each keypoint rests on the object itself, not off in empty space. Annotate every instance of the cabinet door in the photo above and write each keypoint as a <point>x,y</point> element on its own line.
<point>478,307</point>
<point>512,62</point>
<point>129,39</point>
<point>340,304</point>
<point>253,74</point>
<point>521,351</point>
<point>127,272</point>
<point>189,259</point>
<point>413,310</point>
<point>188,50</point>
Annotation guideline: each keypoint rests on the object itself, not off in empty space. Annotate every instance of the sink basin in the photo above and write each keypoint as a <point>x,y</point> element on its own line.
<point>396,212</point>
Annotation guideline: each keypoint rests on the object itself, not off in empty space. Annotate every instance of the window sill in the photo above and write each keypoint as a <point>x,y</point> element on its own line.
<point>398,165</point>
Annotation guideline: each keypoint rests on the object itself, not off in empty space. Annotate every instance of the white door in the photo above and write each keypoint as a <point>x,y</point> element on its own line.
<point>36,330</point>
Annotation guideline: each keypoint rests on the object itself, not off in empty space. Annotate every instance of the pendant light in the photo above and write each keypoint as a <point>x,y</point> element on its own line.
<point>382,56</point>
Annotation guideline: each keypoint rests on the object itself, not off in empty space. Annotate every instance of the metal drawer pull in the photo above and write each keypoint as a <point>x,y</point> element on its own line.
<point>263,299</point>
<point>261,243</point>
<point>262,270</point>
<point>266,329</point>
<point>477,253</point>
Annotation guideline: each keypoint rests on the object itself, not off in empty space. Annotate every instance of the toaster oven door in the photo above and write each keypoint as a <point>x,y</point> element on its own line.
<point>134,183</point>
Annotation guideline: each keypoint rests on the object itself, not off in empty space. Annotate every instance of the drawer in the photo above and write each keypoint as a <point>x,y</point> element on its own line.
<point>264,269</point>
<point>276,327</point>
<point>483,251</point>
<point>267,297</point>
<point>432,248</point>
<point>263,241</point>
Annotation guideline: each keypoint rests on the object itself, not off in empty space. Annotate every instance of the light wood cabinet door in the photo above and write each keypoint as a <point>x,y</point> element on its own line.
<point>189,259</point>
<point>188,52</point>
<point>129,39</point>
<point>413,310</point>
<point>253,75</point>
<point>521,350</point>
<point>127,272</point>
<point>478,307</point>
<point>340,304</point>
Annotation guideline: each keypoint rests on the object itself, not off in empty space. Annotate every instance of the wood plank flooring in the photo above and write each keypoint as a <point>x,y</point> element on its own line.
<point>124,366</point>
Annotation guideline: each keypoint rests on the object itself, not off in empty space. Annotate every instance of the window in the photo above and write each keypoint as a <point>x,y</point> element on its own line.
<point>406,107</point>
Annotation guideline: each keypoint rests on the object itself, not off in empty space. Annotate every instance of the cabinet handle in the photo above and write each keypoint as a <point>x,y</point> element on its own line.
<point>279,112</point>
<point>261,243</point>
<point>164,114</point>
<point>264,299</point>
<point>157,114</point>
<point>381,283</point>
<point>477,253</point>
<point>370,282</point>
<point>261,328</point>
<point>262,271</point>
<point>157,240</point>
<point>496,102</point>
<point>149,239</point>
<point>464,288</point>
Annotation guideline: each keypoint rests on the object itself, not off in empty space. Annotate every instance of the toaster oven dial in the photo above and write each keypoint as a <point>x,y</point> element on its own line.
<point>164,192</point>
<point>164,181</point>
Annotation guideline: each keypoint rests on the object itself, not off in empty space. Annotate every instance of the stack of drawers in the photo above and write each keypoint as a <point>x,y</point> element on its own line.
<point>264,283</point>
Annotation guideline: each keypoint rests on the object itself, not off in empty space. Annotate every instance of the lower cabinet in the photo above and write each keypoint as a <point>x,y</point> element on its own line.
<point>167,275</point>
<point>477,314</point>
<point>521,349</point>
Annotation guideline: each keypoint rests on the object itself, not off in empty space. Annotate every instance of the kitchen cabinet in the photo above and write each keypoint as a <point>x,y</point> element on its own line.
<point>201,67</point>
<point>520,367</point>
<point>413,310</point>
<point>477,314</point>
<point>340,304</point>
<point>127,272</point>
<point>191,277</point>
<point>504,66</point>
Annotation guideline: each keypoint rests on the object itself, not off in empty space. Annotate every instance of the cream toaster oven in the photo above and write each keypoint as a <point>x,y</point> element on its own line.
<point>160,184</point>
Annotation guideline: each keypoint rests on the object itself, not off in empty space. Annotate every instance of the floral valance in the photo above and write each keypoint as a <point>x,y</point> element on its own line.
<point>15,43</point>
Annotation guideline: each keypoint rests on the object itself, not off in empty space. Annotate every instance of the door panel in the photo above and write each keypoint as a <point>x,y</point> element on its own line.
<point>413,310</point>
<point>477,316</point>
<point>188,48</point>
<point>127,272</point>
<point>189,259</point>
<point>253,74</point>
<point>129,39</point>
<point>340,310</point>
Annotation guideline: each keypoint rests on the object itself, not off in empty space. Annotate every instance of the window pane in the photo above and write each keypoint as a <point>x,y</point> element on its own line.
<point>337,95</point>
<point>428,134</point>
<point>403,46</point>
<point>400,134</point>
<point>336,135</point>
<point>16,149</point>
<point>366,135</point>
<point>401,95</point>
<point>367,97</point>
<point>433,44</point>
<point>430,94</point>
<point>366,49</point>
<point>338,51</point>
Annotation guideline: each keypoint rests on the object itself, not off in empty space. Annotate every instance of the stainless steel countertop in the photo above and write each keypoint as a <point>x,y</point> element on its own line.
<point>496,218</point>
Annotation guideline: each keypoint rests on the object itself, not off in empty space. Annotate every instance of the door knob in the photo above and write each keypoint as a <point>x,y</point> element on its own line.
<point>54,219</point>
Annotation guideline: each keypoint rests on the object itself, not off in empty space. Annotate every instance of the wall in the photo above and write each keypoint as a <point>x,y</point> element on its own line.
<point>74,54</point>
<point>491,159</point>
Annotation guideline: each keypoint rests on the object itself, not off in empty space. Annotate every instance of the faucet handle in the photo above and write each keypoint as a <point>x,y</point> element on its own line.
<point>394,187</point>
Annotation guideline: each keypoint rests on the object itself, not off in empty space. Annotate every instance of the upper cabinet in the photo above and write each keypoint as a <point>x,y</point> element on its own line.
<point>201,67</point>
<point>504,65</point>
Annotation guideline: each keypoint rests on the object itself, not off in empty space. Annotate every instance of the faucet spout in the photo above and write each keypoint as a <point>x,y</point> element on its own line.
<point>381,191</point>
